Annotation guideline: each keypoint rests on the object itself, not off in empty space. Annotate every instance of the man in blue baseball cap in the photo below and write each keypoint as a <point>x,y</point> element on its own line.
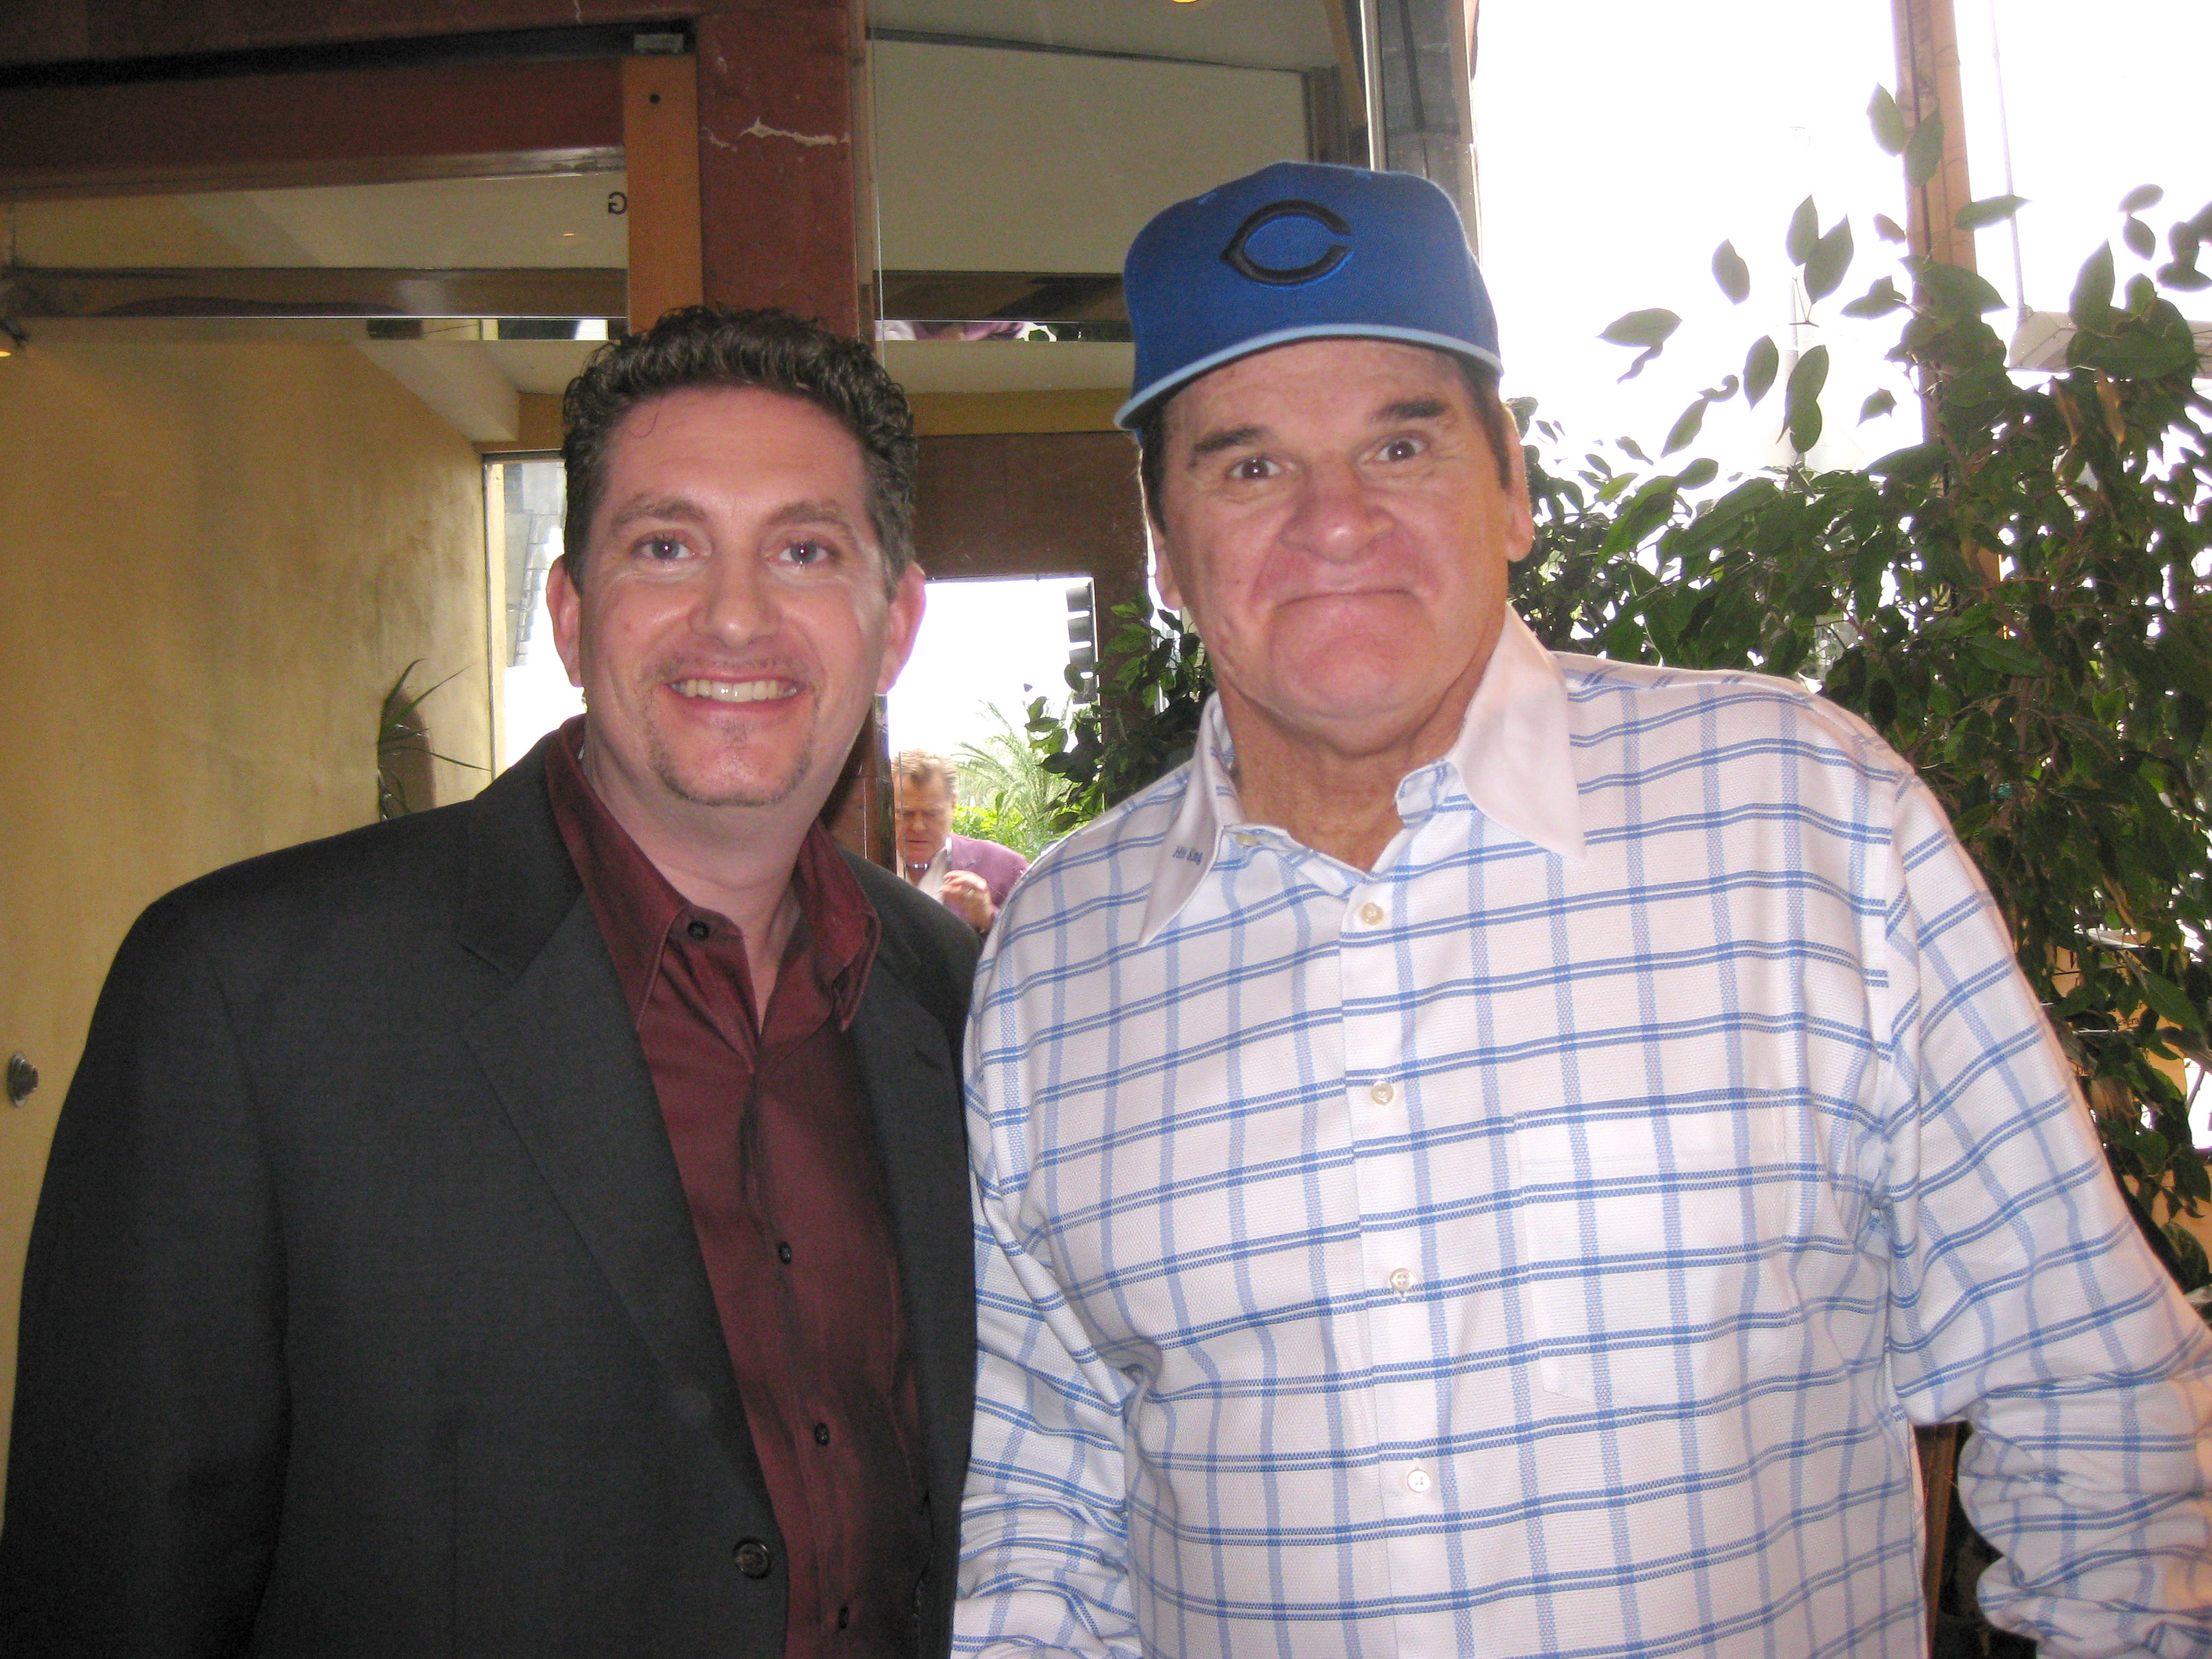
<point>1496,1154</point>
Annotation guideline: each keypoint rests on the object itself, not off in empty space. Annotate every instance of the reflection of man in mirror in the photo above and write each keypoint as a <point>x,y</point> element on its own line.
<point>970,875</point>
<point>1497,1153</point>
<point>539,1226</point>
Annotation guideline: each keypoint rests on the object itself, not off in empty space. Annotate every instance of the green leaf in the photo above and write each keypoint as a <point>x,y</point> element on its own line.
<point>2140,351</point>
<point>1887,121</point>
<point>2091,306</point>
<point>2186,279</point>
<point>1914,464</point>
<point>1760,365</point>
<point>1990,211</point>
<point>1880,703</point>
<point>1830,260</point>
<point>2141,241</point>
<point>2141,196</point>
<point>1804,232</point>
<point>1648,328</point>
<point>1685,428</point>
<point>1700,473</point>
<point>1800,401</point>
<point>1632,447</point>
<point>2172,1005</point>
<point>1958,288</point>
<point>1878,403</point>
<point>1877,302</point>
<point>1731,273</point>
<point>1923,151</point>
<point>1636,367</point>
<point>2008,656</point>
<point>1888,229</point>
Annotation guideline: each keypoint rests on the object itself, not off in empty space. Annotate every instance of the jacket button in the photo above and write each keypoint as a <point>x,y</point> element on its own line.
<point>753,1559</point>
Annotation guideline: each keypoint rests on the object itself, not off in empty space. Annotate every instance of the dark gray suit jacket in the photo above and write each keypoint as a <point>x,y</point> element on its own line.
<point>364,1314</point>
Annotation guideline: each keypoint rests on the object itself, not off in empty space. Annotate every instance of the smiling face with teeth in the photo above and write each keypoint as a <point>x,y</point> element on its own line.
<point>733,626</point>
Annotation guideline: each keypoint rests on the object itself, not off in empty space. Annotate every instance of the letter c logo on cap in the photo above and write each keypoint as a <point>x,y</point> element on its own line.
<point>1240,261</point>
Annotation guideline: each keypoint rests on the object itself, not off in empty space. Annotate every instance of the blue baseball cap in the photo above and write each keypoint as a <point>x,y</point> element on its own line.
<point>1294,251</point>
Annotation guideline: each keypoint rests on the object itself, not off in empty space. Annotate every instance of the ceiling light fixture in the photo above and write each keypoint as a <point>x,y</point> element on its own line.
<point>12,337</point>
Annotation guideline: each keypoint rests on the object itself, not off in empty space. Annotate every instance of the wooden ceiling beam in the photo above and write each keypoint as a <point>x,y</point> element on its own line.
<point>259,131</point>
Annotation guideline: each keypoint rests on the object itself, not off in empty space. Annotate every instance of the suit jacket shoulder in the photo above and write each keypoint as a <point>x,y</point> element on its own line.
<point>931,950</point>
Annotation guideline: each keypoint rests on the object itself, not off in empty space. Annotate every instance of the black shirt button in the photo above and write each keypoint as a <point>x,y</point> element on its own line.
<point>753,1559</point>
<point>698,929</point>
<point>844,1617</point>
<point>782,1252</point>
<point>821,1434</point>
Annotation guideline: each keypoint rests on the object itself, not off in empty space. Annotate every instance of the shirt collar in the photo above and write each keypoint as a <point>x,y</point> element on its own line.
<point>637,906</point>
<point>1513,756</point>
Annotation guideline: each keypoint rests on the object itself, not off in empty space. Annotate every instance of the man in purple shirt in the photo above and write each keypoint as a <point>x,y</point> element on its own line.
<point>971,876</point>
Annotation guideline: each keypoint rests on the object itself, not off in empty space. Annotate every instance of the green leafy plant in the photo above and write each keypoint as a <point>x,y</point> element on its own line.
<point>2022,604</point>
<point>1144,723</point>
<point>402,747</point>
<point>1007,795</point>
<point>2019,603</point>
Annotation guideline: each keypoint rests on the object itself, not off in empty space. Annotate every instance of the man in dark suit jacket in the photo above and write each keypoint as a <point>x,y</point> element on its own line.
<point>539,1226</point>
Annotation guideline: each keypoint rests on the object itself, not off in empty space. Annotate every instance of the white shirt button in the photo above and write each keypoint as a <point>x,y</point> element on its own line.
<point>1401,1281</point>
<point>1383,1093</point>
<point>1371,913</point>
<point>1418,1481</point>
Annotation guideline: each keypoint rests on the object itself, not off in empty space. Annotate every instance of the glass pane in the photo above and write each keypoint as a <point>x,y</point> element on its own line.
<point>985,650</point>
<point>529,497</point>
<point>1619,145</point>
<point>2080,111</point>
<point>1019,147</point>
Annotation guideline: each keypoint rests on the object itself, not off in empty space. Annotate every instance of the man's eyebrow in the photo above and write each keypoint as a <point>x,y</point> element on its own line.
<point>826,511</point>
<point>1235,437</point>
<point>657,507</point>
<point>1412,409</point>
<point>683,510</point>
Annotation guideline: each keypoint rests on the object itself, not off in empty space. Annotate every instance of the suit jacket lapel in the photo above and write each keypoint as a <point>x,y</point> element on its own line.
<point>913,1095</point>
<point>563,1057</point>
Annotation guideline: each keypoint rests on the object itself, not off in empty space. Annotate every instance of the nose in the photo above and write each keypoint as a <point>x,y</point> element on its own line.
<point>1335,514</point>
<point>736,601</point>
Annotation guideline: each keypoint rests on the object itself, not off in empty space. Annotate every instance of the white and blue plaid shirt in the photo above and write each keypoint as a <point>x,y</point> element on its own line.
<point>1545,1242</point>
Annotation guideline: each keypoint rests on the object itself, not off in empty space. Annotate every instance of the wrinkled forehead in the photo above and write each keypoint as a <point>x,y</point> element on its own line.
<point>923,792</point>
<point>1338,379</point>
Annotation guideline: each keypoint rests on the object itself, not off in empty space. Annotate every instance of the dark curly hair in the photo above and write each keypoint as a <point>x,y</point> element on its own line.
<point>709,346</point>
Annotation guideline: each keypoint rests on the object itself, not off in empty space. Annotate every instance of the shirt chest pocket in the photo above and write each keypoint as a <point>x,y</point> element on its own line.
<point>1654,1256</point>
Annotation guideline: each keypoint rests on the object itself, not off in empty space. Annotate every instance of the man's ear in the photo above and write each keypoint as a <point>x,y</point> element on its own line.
<point>1520,515</point>
<point>1164,571</point>
<point>901,624</point>
<point>566,606</point>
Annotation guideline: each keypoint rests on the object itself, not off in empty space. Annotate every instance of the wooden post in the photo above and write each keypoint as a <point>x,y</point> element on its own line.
<point>660,148</point>
<point>1927,84</point>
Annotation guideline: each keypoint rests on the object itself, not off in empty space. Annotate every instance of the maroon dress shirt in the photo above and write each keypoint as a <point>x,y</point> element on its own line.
<point>780,1165</point>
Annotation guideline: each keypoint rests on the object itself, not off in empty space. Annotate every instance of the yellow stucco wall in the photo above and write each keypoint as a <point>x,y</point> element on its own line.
<point>214,559</point>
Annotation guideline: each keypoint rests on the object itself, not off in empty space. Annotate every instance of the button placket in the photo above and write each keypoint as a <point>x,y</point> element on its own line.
<point>1381,1063</point>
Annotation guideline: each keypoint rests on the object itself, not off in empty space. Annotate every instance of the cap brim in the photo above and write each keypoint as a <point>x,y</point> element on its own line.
<point>1132,412</point>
